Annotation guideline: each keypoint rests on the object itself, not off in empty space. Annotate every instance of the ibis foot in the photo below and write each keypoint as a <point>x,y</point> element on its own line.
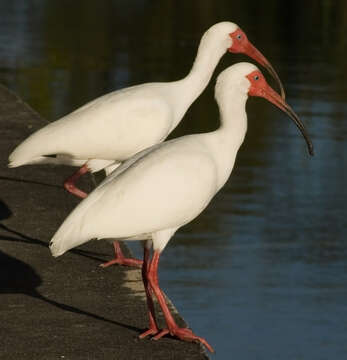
<point>69,183</point>
<point>123,261</point>
<point>151,331</point>
<point>185,335</point>
<point>120,259</point>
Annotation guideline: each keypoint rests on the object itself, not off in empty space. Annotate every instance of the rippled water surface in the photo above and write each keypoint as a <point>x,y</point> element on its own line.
<point>262,273</point>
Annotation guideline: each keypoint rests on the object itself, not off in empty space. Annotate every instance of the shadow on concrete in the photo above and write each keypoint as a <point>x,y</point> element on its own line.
<point>7,178</point>
<point>5,211</point>
<point>17,277</point>
<point>19,237</point>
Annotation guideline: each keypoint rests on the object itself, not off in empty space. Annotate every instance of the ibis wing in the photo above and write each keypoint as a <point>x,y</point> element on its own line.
<point>114,127</point>
<point>165,188</point>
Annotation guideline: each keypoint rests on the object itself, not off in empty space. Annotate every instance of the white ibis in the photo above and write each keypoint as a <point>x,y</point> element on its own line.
<point>164,187</point>
<point>112,128</point>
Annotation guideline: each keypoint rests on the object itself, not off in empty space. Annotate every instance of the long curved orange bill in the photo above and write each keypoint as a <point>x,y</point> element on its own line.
<point>259,87</point>
<point>241,44</point>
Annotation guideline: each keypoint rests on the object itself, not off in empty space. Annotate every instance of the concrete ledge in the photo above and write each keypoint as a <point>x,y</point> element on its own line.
<point>65,308</point>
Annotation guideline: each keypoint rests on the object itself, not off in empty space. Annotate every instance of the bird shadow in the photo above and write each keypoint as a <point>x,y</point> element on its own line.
<point>7,178</point>
<point>22,238</point>
<point>17,277</point>
<point>5,211</point>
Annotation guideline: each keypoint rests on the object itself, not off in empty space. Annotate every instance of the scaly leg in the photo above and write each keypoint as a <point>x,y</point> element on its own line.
<point>153,327</point>
<point>120,259</point>
<point>172,328</point>
<point>69,183</point>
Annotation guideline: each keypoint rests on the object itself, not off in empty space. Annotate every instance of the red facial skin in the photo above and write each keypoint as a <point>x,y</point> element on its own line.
<point>240,42</point>
<point>242,45</point>
<point>259,87</point>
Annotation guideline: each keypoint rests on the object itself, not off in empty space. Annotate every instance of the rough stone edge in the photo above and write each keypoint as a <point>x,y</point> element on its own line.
<point>127,249</point>
<point>23,103</point>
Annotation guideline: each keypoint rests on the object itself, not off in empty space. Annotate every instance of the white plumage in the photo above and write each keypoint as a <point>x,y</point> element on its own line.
<point>117,125</point>
<point>156,183</point>
<point>166,186</point>
<point>160,189</point>
<point>107,131</point>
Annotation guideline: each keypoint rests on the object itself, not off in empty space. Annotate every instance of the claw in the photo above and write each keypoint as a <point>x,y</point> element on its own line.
<point>150,277</point>
<point>161,334</point>
<point>151,331</point>
<point>122,261</point>
<point>185,335</point>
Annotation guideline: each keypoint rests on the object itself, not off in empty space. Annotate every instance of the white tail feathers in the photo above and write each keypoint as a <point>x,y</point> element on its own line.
<point>13,164</point>
<point>41,160</point>
<point>69,235</point>
<point>64,241</point>
<point>77,228</point>
<point>29,149</point>
<point>93,165</point>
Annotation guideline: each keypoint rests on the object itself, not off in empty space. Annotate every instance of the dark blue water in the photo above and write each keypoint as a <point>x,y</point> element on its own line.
<point>262,273</point>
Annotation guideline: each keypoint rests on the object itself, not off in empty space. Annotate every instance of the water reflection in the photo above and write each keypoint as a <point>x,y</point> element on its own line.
<point>262,273</point>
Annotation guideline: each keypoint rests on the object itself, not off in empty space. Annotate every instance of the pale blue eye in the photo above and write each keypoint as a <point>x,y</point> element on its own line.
<point>239,36</point>
<point>256,77</point>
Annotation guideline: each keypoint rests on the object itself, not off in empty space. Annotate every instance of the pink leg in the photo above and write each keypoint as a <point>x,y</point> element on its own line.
<point>120,259</point>
<point>69,183</point>
<point>153,327</point>
<point>182,333</point>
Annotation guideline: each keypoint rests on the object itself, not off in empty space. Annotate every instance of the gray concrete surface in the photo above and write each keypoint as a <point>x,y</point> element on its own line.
<point>65,308</point>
